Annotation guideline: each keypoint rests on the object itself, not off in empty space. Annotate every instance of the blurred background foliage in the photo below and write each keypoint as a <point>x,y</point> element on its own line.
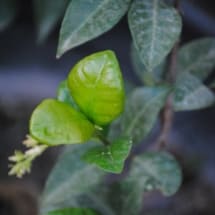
<point>29,72</point>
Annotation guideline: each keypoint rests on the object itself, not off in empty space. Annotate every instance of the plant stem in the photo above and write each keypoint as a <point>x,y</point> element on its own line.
<point>166,116</point>
<point>177,5</point>
<point>172,70</point>
<point>101,137</point>
<point>167,113</point>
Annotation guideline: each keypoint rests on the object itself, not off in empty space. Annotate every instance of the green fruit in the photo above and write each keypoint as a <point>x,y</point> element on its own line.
<point>54,123</point>
<point>96,85</point>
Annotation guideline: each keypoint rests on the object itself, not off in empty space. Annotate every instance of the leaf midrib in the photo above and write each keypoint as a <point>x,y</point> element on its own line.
<point>136,118</point>
<point>154,24</point>
<point>88,18</point>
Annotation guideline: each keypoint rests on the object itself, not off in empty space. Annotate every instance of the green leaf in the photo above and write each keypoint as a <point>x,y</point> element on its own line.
<point>64,95</point>
<point>191,94</point>
<point>97,87</point>
<point>71,182</point>
<point>47,15</point>
<point>87,19</point>
<point>148,78</point>
<point>110,158</point>
<point>73,211</point>
<point>155,27</point>
<point>141,111</point>
<point>150,171</point>
<point>8,9</point>
<point>54,123</point>
<point>156,170</point>
<point>197,58</point>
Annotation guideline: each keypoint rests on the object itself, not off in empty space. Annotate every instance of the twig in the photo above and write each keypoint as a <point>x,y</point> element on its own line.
<point>167,113</point>
<point>172,70</point>
<point>177,5</point>
<point>166,116</point>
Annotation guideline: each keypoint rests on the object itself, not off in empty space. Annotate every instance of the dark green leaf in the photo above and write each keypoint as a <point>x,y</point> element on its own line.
<point>54,123</point>
<point>150,171</point>
<point>64,95</point>
<point>110,158</point>
<point>47,14</point>
<point>87,19</point>
<point>71,182</point>
<point>155,27</point>
<point>131,199</point>
<point>73,211</point>
<point>147,77</point>
<point>8,9</point>
<point>141,111</point>
<point>97,87</point>
<point>191,94</point>
<point>156,170</point>
<point>197,58</point>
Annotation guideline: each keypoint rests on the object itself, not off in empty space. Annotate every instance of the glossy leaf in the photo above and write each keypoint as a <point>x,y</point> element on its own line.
<point>73,211</point>
<point>47,15</point>
<point>155,27</point>
<point>150,171</point>
<point>97,87</point>
<point>191,94</point>
<point>110,158</point>
<point>71,182</point>
<point>141,111</point>
<point>8,10</point>
<point>87,19</point>
<point>64,95</point>
<point>197,58</point>
<point>147,77</point>
<point>54,123</point>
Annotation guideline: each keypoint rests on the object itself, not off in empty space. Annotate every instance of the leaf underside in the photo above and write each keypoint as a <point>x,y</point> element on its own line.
<point>197,58</point>
<point>87,19</point>
<point>150,171</point>
<point>149,78</point>
<point>155,27</point>
<point>191,94</point>
<point>141,111</point>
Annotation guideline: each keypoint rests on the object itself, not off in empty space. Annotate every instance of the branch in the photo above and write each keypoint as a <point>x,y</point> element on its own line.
<point>166,116</point>
<point>167,113</point>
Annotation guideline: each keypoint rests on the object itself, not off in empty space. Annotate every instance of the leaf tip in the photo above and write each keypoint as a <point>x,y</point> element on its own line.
<point>58,54</point>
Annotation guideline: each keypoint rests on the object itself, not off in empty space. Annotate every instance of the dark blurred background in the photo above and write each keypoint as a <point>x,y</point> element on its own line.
<point>30,72</point>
